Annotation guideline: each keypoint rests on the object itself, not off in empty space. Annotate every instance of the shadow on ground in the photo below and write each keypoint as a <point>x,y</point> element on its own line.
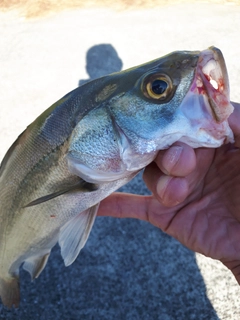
<point>127,270</point>
<point>101,60</point>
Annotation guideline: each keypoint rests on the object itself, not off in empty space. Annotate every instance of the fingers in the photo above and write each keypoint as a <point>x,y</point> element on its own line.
<point>169,190</point>
<point>179,160</point>
<point>123,205</point>
<point>147,208</point>
<point>119,205</point>
<point>185,171</point>
<point>169,185</point>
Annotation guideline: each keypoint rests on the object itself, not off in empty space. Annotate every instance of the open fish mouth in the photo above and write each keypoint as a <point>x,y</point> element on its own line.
<point>206,107</point>
<point>211,79</point>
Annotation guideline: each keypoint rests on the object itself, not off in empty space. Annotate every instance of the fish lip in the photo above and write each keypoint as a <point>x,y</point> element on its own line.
<point>211,80</point>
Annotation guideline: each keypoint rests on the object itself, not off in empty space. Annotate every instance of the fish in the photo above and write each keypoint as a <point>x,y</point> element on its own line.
<point>94,140</point>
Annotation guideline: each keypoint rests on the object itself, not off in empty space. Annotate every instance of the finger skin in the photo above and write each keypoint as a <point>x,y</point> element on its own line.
<point>147,208</point>
<point>169,184</point>
<point>123,205</point>
<point>179,160</point>
<point>168,190</point>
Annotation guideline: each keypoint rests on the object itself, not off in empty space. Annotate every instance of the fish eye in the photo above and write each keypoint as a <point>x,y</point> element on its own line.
<point>157,86</point>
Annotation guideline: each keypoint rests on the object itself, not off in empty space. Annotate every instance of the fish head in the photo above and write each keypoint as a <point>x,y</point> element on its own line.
<point>183,96</point>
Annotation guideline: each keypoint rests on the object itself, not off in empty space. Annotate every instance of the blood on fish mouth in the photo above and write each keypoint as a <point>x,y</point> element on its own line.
<point>211,80</point>
<point>207,104</point>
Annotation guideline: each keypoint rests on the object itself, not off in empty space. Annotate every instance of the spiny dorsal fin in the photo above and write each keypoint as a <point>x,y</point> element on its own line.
<point>81,186</point>
<point>74,234</point>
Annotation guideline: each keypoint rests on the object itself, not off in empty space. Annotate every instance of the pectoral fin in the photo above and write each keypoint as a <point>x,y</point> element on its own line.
<point>81,186</point>
<point>74,234</point>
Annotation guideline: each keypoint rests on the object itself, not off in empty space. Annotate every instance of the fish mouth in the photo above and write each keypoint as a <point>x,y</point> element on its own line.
<point>206,106</point>
<point>211,80</point>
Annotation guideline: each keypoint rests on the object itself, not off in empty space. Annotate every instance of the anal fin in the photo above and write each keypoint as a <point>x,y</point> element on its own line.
<point>74,234</point>
<point>34,265</point>
<point>9,291</point>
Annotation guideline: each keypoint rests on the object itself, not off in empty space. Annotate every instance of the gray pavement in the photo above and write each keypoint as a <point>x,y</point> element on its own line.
<point>128,269</point>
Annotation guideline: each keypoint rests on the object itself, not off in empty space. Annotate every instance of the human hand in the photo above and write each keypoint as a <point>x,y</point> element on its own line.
<point>195,198</point>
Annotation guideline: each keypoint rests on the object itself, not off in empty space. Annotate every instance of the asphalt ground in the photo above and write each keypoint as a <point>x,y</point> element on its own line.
<point>128,268</point>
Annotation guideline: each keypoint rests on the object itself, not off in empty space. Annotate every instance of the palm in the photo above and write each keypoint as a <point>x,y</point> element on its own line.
<point>208,220</point>
<point>213,202</point>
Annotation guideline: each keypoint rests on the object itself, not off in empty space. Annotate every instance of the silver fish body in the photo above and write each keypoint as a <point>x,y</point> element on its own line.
<point>94,140</point>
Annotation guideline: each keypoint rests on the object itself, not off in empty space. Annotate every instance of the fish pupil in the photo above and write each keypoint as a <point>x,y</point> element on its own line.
<point>159,86</point>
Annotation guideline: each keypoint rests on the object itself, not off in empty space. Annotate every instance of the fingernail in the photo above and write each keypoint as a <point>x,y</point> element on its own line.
<point>172,157</point>
<point>162,186</point>
<point>164,195</point>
